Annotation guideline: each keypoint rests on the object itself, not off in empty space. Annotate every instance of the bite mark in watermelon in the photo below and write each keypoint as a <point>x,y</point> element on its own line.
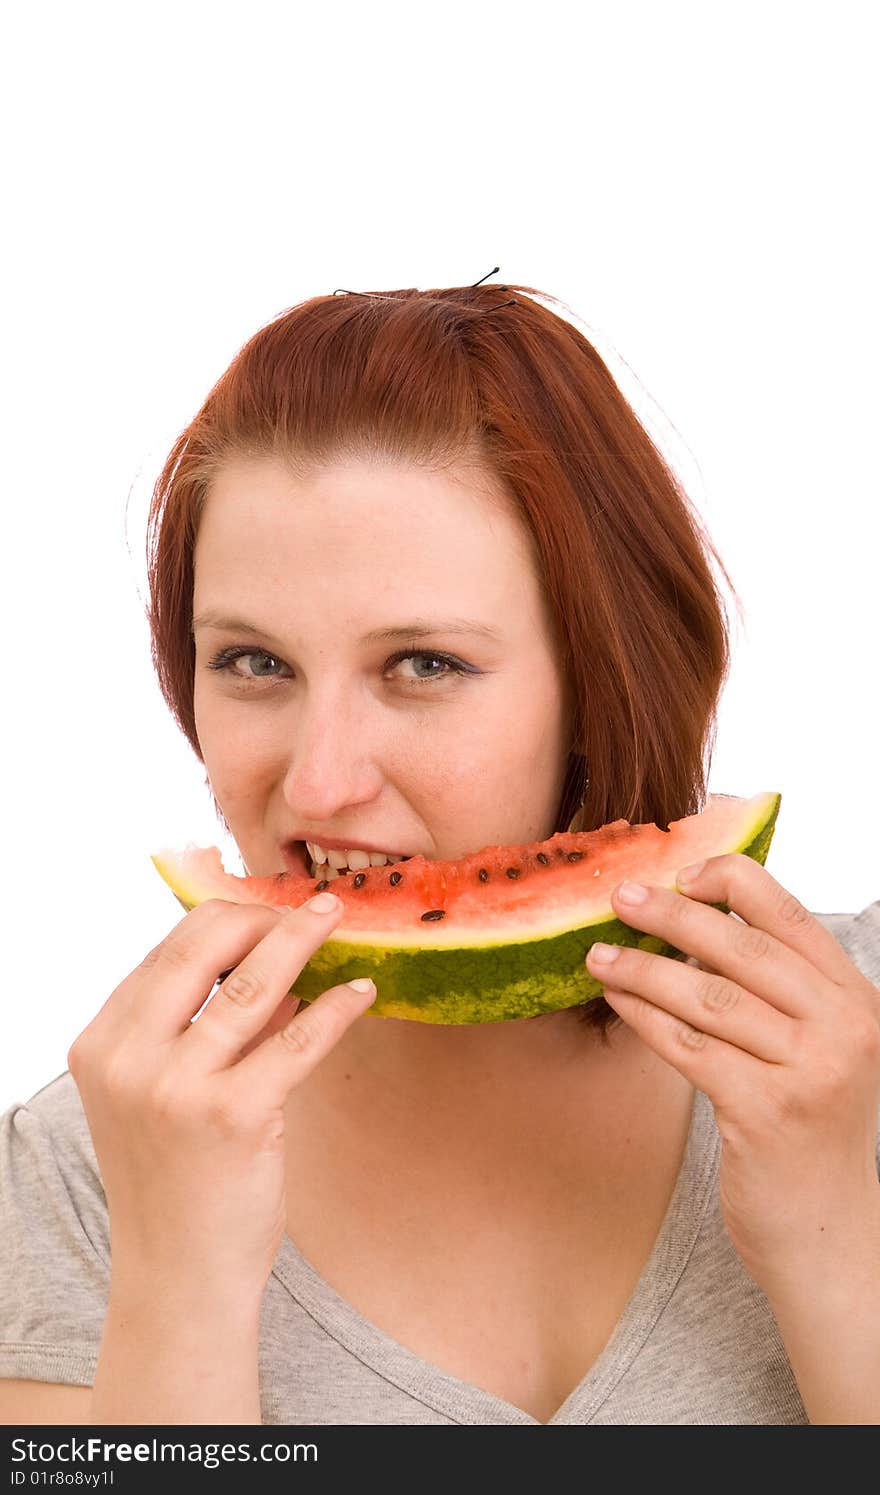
<point>499,934</point>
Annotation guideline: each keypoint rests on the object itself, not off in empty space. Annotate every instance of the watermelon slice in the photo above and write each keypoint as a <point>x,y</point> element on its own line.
<point>499,934</point>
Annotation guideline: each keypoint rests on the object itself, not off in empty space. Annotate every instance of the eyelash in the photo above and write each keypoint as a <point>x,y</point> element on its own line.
<point>227,657</point>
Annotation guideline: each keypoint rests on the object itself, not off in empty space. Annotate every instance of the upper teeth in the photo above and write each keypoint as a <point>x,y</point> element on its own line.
<point>355,860</point>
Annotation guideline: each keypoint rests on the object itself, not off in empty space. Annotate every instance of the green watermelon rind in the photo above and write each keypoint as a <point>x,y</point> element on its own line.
<point>466,986</point>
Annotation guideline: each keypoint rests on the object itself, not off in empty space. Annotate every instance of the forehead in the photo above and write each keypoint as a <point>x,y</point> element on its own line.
<point>374,487</point>
<point>391,516</point>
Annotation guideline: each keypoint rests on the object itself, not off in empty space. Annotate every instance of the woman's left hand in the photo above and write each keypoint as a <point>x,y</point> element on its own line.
<point>781,1031</point>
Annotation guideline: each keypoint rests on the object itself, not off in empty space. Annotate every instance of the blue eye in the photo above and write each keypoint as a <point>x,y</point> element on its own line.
<point>224,661</point>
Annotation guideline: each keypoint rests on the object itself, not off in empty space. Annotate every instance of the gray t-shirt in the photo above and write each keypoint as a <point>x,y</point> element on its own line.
<point>696,1344</point>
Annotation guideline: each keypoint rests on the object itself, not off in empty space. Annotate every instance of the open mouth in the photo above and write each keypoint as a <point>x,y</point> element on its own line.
<point>298,860</point>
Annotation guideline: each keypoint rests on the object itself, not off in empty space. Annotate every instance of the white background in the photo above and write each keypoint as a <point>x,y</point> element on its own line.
<point>697,182</point>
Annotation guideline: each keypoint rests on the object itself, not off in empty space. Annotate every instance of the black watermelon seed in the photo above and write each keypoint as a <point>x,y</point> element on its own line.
<point>320,886</point>
<point>360,880</point>
<point>575,856</point>
<point>395,878</point>
<point>484,876</point>
<point>435,913</point>
<point>513,872</point>
<point>545,860</point>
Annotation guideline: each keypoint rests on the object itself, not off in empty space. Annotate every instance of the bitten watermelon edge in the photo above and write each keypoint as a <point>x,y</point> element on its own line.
<point>496,935</point>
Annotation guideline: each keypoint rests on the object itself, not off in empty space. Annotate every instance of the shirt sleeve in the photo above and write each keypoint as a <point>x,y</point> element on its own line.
<point>54,1240</point>
<point>859,935</point>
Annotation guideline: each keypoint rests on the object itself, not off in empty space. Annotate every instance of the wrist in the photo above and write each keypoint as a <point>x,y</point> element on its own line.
<point>828,1265</point>
<point>829,1321</point>
<point>169,1296</point>
<point>173,1353</point>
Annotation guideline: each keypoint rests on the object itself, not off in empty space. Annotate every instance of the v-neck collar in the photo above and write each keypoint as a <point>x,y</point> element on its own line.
<point>470,1405</point>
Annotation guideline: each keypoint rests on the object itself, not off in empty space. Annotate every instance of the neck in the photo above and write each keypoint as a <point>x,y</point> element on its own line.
<point>483,1087</point>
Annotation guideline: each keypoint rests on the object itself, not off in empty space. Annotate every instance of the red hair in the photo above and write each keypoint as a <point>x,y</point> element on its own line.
<point>454,376</point>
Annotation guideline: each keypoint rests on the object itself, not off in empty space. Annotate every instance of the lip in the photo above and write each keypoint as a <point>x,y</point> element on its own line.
<point>296,857</point>
<point>331,844</point>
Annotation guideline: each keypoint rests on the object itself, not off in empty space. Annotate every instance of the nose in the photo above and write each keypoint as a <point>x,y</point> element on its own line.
<point>334,761</point>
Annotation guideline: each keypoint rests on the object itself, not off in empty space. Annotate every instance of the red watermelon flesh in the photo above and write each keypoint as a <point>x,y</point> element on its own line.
<point>498,934</point>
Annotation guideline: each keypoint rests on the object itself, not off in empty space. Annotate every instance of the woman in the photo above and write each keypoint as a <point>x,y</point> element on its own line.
<point>421,583</point>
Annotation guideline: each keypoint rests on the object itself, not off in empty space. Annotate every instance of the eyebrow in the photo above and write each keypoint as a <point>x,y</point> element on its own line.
<point>418,628</point>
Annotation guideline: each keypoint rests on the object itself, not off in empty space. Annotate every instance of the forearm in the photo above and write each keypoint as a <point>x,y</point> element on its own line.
<point>173,1356</point>
<point>830,1326</point>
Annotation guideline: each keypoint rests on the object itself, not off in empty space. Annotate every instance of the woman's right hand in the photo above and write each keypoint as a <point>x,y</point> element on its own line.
<point>189,1135</point>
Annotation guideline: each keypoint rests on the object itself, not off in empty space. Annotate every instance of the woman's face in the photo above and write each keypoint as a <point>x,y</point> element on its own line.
<point>317,730</point>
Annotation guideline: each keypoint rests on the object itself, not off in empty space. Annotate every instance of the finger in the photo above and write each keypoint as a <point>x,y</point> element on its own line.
<point>251,994</point>
<point>159,998</point>
<point>727,1074</point>
<point>701,999</point>
<point>288,1056</point>
<point>163,994</point>
<point>751,956</point>
<point>748,889</point>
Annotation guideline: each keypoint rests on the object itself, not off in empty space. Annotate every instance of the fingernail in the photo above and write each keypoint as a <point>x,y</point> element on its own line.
<point>322,903</point>
<point>632,892</point>
<point>689,874</point>
<point>603,954</point>
<point>362,983</point>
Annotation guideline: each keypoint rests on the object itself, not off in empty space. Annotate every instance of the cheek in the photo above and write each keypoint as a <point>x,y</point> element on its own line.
<point>465,772</point>
<point>231,741</point>
<point>205,713</point>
